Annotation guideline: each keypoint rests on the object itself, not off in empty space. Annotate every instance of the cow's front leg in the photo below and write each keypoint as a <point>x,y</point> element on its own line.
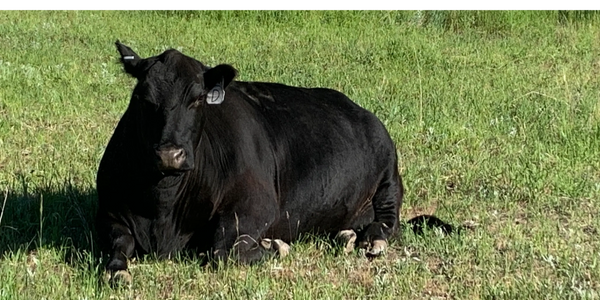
<point>241,229</point>
<point>121,244</point>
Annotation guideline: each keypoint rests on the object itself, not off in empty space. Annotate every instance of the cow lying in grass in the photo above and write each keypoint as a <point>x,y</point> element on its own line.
<point>236,169</point>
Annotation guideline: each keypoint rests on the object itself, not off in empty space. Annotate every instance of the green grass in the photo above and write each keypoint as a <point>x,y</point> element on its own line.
<point>496,116</point>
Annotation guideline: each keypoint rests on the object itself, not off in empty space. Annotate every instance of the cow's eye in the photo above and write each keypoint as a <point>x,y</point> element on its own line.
<point>146,103</point>
<point>196,103</point>
<point>151,105</point>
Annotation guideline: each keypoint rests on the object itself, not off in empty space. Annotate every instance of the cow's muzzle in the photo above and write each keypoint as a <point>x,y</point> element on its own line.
<point>171,159</point>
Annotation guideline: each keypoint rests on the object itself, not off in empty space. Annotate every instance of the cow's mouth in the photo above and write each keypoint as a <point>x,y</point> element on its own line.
<point>167,170</point>
<point>172,173</point>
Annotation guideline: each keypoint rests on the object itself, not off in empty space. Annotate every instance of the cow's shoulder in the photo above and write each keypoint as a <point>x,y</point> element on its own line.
<point>257,93</point>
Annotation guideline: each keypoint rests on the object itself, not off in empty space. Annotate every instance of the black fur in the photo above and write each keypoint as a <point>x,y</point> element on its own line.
<point>271,161</point>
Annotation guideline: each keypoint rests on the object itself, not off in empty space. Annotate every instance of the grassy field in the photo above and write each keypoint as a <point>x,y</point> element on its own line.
<point>496,116</point>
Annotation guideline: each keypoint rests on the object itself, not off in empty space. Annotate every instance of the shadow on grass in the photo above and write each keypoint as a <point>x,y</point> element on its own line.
<point>59,216</point>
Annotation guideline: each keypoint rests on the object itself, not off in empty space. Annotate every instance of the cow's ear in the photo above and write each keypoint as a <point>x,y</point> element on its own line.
<point>129,59</point>
<point>215,82</point>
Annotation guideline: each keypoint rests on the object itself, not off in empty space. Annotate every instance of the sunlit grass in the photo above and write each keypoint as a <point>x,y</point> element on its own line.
<point>496,117</point>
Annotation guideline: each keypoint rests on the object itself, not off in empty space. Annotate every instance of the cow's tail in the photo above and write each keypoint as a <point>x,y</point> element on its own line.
<point>419,223</point>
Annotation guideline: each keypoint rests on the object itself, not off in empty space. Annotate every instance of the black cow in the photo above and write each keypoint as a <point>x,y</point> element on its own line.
<point>200,161</point>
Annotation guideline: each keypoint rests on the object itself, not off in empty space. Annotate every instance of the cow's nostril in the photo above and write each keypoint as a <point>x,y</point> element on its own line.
<point>171,158</point>
<point>178,154</point>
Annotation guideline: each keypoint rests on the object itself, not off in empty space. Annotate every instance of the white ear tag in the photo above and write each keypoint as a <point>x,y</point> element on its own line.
<point>128,57</point>
<point>216,95</point>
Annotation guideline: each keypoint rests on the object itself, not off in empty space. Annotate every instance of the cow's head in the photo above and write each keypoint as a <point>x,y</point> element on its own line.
<point>171,92</point>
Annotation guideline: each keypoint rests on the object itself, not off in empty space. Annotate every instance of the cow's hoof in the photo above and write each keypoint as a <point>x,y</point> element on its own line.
<point>377,248</point>
<point>279,246</point>
<point>348,239</point>
<point>266,243</point>
<point>282,248</point>
<point>119,278</point>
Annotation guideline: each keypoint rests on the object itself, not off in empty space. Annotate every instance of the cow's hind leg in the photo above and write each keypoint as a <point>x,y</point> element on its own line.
<point>386,207</point>
<point>239,238</point>
<point>347,238</point>
<point>277,246</point>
